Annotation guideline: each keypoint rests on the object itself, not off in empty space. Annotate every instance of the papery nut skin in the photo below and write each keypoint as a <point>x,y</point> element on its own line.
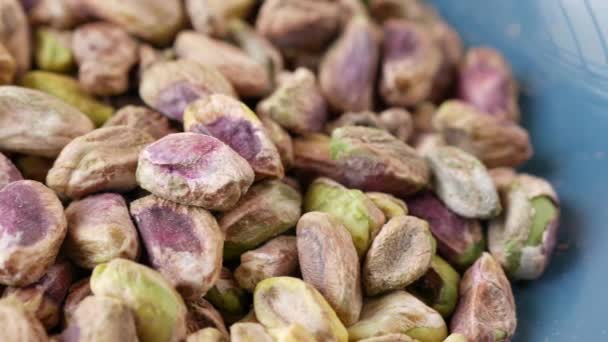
<point>202,315</point>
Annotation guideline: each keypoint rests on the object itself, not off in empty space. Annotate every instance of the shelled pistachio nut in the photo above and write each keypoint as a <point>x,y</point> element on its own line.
<point>438,287</point>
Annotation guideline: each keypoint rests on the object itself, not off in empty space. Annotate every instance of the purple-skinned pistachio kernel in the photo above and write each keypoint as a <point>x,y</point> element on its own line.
<point>486,82</point>
<point>411,62</point>
<point>348,71</point>
<point>102,160</point>
<point>486,309</point>
<point>142,118</point>
<point>297,103</point>
<point>248,77</point>
<point>374,160</point>
<point>194,169</point>
<point>44,298</point>
<point>232,122</point>
<point>312,156</point>
<point>169,86</point>
<point>459,240</point>
<point>183,243</point>
<point>494,141</point>
<point>94,239</point>
<point>8,171</point>
<point>32,228</point>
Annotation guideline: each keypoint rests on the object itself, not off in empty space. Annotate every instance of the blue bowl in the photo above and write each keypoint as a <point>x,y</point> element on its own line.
<point>559,52</point>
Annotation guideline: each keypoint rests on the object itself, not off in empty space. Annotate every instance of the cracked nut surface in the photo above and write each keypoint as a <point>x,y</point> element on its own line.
<point>183,243</point>
<point>32,228</point>
<point>103,160</point>
<point>194,169</point>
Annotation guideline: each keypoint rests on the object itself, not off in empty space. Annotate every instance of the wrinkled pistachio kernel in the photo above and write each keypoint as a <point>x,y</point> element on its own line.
<point>249,332</point>
<point>459,240</point>
<point>232,122</point>
<point>456,338</point>
<point>364,118</point>
<point>281,140</point>
<point>389,338</point>
<point>374,160</point>
<point>463,183</point>
<point>231,300</point>
<point>194,169</point>
<point>496,143</point>
<point>352,208</point>
<point>156,21</point>
<point>35,123</point>
<point>292,333</point>
<point>44,297</point>
<point>95,239</point>
<point>398,122</point>
<point>255,46</point>
<point>101,318</point>
<point>8,171</point>
<point>213,16</point>
<point>486,82</point>
<point>296,104</point>
<point>277,257</point>
<point>53,50</point>
<point>68,90</point>
<point>32,228</point>
<point>160,313</point>
<point>76,293</point>
<point>207,335</point>
<point>33,167</point>
<point>486,309</point>
<point>281,301</point>
<point>142,118</point>
<point>102,160</point>
<point>105,54</point>
<point>201,315</point>
<point>398,312</point>
<point>523,239</point>
<point>169,86</point>
<point>329,262</point>
<point>312,156</point>
<point>268,209</point>
<point>15,34</point>
<point>502,178</point>
<point>290,24</point>
<point>400,254</point>
<point>412,59</point>
<point>183,243</point>
<point>438,288</point>
<point>18,324</point>
<point>7,66</point>
<point>348,71</point>
<point>390,205</point>
<point>248,77</point>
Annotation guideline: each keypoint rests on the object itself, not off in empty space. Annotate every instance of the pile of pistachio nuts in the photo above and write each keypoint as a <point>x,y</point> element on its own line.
<point>248,170</point>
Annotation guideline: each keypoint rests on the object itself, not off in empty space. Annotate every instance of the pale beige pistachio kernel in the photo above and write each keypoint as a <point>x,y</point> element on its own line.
<point>456,338</point>
<point>502,177</point>
<point>292,333</point>
<point>389,338</point>
<point>8,171</point>
<point>277,257</point>
<point>282,301</point>
<point>101,319</point>
<point>102,160</point>
<point>248,77</point>
<point>390,205</point>
<point>142,118</point>
<point>329,262</point>
<point>207,335</point>
<point>32,229</point>
<point>15,34</point>
<point>18,324</point>
<point>398,312</point>
<point>400,254</point>
<point>463,183</point>
<point>183,243</point>
<point>249,332</point>
<point>7,66</point>
<point>486,310</point>
<point>60,14</point>
<point>95,239</point>
<point>35,123</point>
<point>281,139</point>
<point>76,293</point>
<point>212,17</point>
<point>159,311</point>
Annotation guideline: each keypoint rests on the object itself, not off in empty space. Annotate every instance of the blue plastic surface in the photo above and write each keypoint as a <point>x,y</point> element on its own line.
<point>559,52</point>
